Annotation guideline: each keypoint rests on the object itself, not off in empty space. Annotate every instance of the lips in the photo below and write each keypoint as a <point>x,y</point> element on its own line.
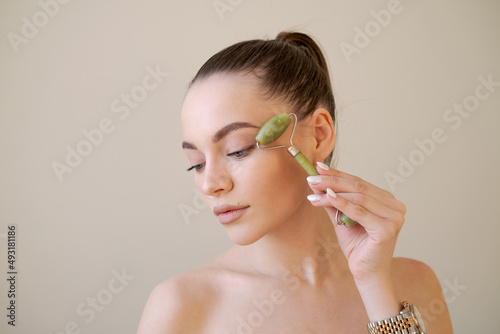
<point>229,213</point>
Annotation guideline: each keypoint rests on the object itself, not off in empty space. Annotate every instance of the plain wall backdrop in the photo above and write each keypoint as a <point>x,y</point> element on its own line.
<point>93,176</point>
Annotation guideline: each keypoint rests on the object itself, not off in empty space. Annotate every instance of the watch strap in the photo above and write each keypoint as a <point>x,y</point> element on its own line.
<point>399,324</point>
<point>395,325</point>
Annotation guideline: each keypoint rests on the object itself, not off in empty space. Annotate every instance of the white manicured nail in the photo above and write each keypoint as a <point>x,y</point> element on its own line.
<point>331,193</point>
<point>322,165</point>
<point>316,179</point>
<point>314,197</point>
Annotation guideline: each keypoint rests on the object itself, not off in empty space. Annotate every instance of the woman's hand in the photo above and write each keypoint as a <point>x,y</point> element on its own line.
<point>368,245</point>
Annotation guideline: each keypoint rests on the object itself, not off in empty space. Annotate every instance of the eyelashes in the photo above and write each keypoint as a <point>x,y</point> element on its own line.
<point>197,167</point>
<point>241,153</point>
<point>237,155</point>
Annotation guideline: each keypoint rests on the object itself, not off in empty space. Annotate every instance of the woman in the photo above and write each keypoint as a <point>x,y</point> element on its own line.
<point>293,269</point>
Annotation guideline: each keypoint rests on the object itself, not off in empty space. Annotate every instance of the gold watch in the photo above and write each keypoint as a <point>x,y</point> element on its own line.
<point>408,321</point>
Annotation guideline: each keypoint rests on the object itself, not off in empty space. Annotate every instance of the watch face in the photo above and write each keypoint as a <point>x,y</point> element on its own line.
<point>418,318</point>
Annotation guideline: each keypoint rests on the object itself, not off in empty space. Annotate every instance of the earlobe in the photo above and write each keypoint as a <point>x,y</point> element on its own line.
<point>324,133</point>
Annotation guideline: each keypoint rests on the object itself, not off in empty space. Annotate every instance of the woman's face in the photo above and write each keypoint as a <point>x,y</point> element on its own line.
<point>252,191</point>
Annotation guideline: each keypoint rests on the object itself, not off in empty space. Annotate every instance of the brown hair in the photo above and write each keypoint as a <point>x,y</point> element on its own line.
<point>291,67</point>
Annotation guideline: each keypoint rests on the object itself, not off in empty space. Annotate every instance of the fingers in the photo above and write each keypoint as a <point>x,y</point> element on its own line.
<point>342,182</point>
<point>370,215</point>
<point>358,199</point>
<point>357,182</point>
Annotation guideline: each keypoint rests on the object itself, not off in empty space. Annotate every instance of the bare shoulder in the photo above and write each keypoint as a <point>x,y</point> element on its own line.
<point>181,303</point>
<point>413,272</point>
<point>187,302</point>
<point>417,283</point>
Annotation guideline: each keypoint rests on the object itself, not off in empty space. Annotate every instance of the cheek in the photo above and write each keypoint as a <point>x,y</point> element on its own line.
<point>274,184</point>
<point>305,141</point>
<point>273,177</point>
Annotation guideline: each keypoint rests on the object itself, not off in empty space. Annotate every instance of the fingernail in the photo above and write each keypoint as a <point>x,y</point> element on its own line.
<point>331,193</point>
<point>314,197</point>
<point>316,179</point>
<point>322,165</point>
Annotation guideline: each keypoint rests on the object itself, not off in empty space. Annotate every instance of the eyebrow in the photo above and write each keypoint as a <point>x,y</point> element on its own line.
<point>219,135</point>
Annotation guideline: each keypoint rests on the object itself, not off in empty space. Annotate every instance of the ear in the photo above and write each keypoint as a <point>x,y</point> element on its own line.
<point>324,133</point>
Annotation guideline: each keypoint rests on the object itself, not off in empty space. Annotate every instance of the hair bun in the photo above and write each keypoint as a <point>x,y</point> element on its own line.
<point>304,41</point>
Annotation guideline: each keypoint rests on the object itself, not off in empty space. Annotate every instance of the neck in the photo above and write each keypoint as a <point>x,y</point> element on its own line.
<point>306,247</point>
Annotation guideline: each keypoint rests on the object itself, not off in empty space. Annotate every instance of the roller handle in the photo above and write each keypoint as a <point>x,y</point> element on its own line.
<point>311,170</point>
<point>306,164</point>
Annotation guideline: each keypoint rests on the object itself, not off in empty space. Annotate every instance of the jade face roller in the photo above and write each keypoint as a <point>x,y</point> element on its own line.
<point>272,130</point>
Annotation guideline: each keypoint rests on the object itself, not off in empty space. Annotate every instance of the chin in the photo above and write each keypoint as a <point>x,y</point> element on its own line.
<point>243,236</point>
<point>243,240</point>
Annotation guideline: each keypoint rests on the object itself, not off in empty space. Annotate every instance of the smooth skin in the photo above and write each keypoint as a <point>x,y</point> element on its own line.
<point>292,269</point>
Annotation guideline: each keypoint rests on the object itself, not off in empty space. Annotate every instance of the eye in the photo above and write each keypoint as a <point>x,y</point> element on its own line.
<point>198,168</point>
<point>241,153</point>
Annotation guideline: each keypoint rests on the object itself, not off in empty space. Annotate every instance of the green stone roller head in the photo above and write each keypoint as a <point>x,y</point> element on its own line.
<point>272,130</point>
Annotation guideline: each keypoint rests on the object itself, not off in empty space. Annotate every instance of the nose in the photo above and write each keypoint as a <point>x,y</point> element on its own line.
<point>216,180</point>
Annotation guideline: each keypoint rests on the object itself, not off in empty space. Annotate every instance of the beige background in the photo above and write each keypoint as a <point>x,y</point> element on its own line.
<point>119,210</point>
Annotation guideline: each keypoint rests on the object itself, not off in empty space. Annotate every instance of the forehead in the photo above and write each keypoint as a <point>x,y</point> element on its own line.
<point>225,98</point>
